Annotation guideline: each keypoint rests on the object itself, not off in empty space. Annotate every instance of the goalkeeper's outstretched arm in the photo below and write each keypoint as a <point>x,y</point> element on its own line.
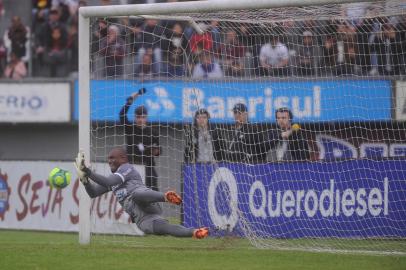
<point>100,183</point>
<point>109,181</point>
<point>94,190</point>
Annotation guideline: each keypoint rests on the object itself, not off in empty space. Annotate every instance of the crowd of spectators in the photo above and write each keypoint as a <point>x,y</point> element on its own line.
<point>147,48</point>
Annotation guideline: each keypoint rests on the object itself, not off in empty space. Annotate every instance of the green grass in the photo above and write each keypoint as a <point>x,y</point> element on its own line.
<point>41,250</point>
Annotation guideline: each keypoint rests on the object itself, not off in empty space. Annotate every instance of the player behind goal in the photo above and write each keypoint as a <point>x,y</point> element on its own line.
<point>140,202</point>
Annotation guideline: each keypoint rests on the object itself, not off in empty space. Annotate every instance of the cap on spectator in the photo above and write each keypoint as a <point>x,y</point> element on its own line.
<point>240,108</point>
<point>141,110</point>
<point>307,34</point>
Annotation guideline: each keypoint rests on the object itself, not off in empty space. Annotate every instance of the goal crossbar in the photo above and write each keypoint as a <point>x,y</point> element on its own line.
<point>199,6</point>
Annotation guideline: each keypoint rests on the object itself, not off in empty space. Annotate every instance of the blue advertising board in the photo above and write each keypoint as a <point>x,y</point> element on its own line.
<point>310,101</point>
<point>347,199</point>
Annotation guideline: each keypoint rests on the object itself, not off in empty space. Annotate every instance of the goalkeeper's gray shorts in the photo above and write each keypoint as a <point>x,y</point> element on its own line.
<point>147,224</point>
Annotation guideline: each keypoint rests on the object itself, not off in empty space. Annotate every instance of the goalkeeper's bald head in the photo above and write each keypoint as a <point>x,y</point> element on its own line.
<point>117,157</point>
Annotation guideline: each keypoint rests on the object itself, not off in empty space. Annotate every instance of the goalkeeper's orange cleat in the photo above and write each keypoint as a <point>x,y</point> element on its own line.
<point>173,197</point>
<point>201,233</point>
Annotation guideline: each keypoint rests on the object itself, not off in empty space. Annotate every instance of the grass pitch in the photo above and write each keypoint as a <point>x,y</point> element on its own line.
<point>41,250</point>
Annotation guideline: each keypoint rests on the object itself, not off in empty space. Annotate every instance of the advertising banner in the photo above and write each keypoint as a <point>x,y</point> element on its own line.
<point>353,198</point>
<point>28,202</point>
<point>401,100</point>
<point>35,102</point>
<point>310,101</point>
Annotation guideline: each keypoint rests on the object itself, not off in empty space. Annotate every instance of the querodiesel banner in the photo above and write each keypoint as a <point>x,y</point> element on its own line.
<point>353,198</point>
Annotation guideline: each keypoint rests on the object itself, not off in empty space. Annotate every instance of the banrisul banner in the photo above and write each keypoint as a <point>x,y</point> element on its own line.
<point>354,198</point>
<point>177,101</point>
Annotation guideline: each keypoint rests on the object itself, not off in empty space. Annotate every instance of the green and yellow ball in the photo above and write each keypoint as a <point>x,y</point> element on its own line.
<point>59,178</point>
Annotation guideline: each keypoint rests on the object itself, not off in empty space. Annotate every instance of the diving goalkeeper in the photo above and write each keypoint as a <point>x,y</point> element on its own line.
<point>140,202</point>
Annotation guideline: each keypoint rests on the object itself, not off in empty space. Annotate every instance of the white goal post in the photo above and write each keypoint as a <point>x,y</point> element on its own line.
<point>294,205</point>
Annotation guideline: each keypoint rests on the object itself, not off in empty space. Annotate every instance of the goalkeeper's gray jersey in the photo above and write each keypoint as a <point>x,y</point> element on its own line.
<point>125,193</point>
<point>131,181</point>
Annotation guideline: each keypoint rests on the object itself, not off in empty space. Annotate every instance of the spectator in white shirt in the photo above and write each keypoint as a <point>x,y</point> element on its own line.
<point>274,58</point>
<point>207,67</point>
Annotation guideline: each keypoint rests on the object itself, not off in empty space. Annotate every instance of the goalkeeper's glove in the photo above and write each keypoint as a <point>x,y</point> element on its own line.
<point>82,170</point>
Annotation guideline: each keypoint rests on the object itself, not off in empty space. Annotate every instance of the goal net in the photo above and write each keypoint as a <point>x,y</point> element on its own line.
<point>320,162</point>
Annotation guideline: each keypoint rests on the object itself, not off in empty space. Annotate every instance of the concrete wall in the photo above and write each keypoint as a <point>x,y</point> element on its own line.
<point>38,141</point>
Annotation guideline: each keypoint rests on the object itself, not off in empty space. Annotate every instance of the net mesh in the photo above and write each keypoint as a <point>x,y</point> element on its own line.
<point>327,175</point>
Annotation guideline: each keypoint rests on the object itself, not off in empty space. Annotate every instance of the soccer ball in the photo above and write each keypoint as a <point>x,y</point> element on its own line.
<point>59,178</point>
